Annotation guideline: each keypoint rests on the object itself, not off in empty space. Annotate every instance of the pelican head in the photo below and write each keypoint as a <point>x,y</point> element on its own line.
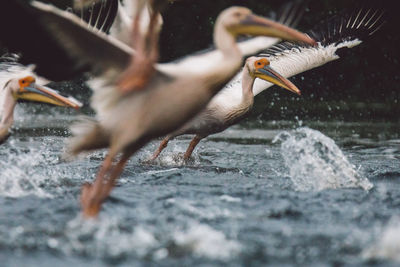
<point>241,21</point>
<point>26,89</point>
<point>259,67</point>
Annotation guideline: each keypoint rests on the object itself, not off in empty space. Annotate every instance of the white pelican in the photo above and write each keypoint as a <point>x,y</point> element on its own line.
<point>288,59</point>
<point>18,83</point>
<point>166,103</point>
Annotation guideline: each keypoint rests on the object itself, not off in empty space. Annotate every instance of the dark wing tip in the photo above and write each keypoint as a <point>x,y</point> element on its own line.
<point>291,13</point>
<point>99,14</point>
<point>357,24</point>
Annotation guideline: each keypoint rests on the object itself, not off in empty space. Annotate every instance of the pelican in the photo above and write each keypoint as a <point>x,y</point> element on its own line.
<point>127,122</point>
<point>19,83</point>
<point>232,103</point>
<point>217,118</point>
<point>164,105</point>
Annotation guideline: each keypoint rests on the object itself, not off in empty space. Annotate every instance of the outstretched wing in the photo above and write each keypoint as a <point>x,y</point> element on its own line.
<point>343,31</point>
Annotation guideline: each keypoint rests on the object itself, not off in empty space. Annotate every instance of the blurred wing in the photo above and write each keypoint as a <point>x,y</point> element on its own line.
<point>100,52</point>
<point>22,31</point>
<point>59,43</point>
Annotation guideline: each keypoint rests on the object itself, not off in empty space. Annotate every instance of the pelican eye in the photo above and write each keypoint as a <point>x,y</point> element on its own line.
<point>262,62</point>
<point>237,14</point>
<point>259,64</point>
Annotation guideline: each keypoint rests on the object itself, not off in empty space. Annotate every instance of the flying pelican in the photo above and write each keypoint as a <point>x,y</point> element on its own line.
<point>217,118</point>
<point>164,105</point>
<point>231,104</point>
<point>19,83</point>
<point>129,121</point>
<point>151,112</point>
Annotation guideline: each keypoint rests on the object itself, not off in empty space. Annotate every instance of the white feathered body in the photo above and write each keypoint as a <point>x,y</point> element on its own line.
<point>288,63</point>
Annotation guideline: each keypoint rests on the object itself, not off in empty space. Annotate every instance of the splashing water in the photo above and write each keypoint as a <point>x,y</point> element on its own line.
<point>18,176</point>
<point>315,162</point>
<point>30,167</point>
<point>173,156</point>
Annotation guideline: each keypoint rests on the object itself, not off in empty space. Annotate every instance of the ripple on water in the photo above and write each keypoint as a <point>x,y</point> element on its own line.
<point>315,162</point>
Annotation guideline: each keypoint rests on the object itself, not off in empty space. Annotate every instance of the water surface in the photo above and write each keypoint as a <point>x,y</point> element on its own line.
<point>325,194</point>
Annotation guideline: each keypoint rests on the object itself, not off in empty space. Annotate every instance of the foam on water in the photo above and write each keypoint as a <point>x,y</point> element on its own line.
<point>315,162</point>
<point>228,198</point>
<point>111,238</point>
<point>388,245</point>
<point>204,241</point>
<point>106,238</point>
<point>206,209</point>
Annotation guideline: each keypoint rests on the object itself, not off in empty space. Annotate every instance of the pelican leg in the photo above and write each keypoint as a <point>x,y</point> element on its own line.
<point>115,174</point>
<point>192,146</point>
<point>90,194</point>
<point>93,195</point>
<point>4,135</point>
<point>162,146</point>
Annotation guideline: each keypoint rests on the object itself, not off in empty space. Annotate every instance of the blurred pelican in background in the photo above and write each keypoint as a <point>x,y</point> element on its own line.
<point>19,83</point>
